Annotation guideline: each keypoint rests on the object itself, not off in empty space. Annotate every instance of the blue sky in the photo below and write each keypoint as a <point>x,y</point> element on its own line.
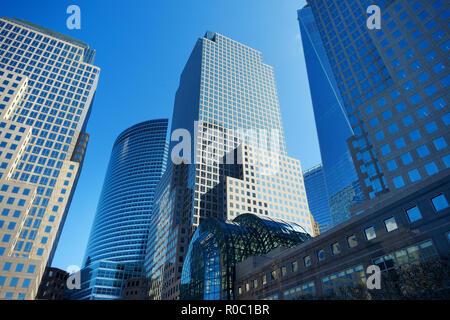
<point>142,47</point>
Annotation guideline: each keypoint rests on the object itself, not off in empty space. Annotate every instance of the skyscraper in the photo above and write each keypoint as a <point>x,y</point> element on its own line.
<point>119,234</point>
<point>394,86</point>
<point>333,128</point>
<point>227,105</point>
<point>316,192</point>
<point>47,86</point>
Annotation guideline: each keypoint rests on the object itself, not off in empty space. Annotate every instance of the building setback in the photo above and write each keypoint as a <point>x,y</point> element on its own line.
<point>227,103</point>
<point>47,86</point>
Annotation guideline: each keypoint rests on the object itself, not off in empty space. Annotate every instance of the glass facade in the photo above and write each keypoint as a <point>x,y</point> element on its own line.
<point>104,280</point>
<point>228,103</point>
<point>47,86</point>
<point>120,230</point>
<point>393,83</point>
<point>316,191</point>
<point>333,127</point>
<point>217,246</point>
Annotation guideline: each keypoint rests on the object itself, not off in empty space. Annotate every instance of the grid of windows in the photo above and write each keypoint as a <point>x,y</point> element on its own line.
<point>401,65</point>
<point>47,82</point>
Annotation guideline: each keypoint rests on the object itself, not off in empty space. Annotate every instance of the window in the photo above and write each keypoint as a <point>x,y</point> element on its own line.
<point>440,143</point>
<point>370,233</point>
<point>423,151</point>
<point>283,271</point>
<point>390,224</point>
<point>321,255</point>
<point>392,165</point>
<point>439,202</point>
<point>273,275</point>
<point>413,214</point>
<point>352,241</point>
<point>294,266</point>
<point>307,261</point>
<point>335,248</point>
<point>398,182</point>
<point>414,175</point>
<point>431,168</point>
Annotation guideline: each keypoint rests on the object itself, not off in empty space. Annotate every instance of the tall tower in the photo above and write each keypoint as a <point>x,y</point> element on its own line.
<point>227,105</point>
<point>316,191</point>
<point>47,86</point>
<point>342,186</point>
<point>119,233</point>
<point>393,83</point>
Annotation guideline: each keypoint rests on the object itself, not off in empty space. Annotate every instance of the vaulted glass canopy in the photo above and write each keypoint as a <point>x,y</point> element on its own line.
<point>217,246</point>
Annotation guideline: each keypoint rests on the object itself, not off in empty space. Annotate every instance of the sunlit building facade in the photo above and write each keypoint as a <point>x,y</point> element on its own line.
<point>227,105</point>
<point>47,86</point>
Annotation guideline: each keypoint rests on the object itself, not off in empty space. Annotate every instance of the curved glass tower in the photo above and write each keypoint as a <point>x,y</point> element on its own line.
<point>120,230</point>
<point>217,246</point>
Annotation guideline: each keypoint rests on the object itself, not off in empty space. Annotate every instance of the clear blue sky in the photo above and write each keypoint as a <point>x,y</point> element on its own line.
<point>142,47</point>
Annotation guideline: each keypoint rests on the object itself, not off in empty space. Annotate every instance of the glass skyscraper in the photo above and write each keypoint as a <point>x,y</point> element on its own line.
<point>47,86</point>
<point>316,192</point>
<point>394,86</point>
<point>333,127</point>
<point>119,235</point>
<point>227,101</point>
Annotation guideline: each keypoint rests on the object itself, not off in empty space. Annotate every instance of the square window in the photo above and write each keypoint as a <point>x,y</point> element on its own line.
<point>352,241</point>
<point>370,233</point>
<point>414,175</point>
<point>439,202</point>
<point>398,182</point>
<point>413,214</point>
<point>321,255</point>
<point>431,168</point>
<point>390,224</point>
<point>335,248</point>
<point>307,261</point>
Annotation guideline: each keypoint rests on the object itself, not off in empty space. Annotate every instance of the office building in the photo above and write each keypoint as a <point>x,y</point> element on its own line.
<point>53,284</point>
<point>333,128</point>
<point>217,246</point>
<point>135,289</point>
<point>47,86</point>
<point>228,106</point>
<point>393,83</point>
<point>316,192</point>
<point>408,238</point>
<point>119,234</point>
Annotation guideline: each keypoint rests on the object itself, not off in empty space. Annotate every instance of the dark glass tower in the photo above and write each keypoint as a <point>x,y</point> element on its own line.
<point>120,231</point>
<point>333,128</point>
<point>316,192</point>
<point>394,87</point>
